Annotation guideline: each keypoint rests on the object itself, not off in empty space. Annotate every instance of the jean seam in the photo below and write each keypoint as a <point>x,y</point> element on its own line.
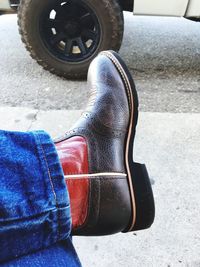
<point>49,174</point>
<point>52,185</point>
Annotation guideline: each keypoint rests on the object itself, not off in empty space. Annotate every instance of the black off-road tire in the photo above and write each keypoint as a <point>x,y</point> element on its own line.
<point>110,19</point>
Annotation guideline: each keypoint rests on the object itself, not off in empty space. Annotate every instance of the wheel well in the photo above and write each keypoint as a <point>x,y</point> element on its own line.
<point>14,4</point>
<point>127,5</point>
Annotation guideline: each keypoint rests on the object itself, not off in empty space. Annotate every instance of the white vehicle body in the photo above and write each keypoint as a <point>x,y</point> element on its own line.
<point>4,4</point>
<point>180,8</point>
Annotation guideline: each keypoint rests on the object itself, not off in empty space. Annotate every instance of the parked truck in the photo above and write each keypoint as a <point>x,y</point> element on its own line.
<point>63,36</point>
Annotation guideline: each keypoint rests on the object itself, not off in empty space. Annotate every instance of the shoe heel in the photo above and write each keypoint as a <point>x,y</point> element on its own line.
<point>145,208</point>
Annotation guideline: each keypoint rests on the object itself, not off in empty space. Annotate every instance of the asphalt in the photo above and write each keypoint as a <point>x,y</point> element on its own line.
<point>164,57</point>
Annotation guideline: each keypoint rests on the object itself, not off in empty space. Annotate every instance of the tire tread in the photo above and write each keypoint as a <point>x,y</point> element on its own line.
<point>116,19</point>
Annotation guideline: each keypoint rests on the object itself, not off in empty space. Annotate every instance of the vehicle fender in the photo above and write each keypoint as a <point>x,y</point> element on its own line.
<point>4,5</point>
<point>161,7</point>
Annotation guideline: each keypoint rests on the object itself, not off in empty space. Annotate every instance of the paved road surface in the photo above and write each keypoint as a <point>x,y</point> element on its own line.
<point>171,151</point>
<point>162,53</point>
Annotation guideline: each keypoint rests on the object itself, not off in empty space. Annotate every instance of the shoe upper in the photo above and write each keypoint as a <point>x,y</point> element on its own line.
<point>104,126</point>
<point>106,117</point>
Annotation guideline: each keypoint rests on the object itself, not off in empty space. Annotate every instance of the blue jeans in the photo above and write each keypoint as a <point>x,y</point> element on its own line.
<point>34,201</point>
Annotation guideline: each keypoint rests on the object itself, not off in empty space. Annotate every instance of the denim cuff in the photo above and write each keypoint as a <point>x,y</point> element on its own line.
<point>34,201</point>
<point>52,170</point>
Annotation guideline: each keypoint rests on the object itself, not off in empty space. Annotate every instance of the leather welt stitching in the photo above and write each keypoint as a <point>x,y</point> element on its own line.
<point>96,175</point>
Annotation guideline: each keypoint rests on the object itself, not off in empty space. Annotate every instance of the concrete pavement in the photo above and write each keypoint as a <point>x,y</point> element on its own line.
<point>169,144</point>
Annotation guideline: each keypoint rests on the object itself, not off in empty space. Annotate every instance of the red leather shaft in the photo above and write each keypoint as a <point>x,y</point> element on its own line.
<point>73,155</point>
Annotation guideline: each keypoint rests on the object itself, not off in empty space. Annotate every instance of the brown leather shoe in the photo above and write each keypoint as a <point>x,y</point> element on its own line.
<point>109,193</point>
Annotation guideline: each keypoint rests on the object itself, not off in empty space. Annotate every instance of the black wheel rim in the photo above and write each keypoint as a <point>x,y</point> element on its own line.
<point>70,30</point>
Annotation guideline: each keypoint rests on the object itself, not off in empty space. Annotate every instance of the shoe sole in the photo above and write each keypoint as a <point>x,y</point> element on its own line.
<point>142,201</point>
